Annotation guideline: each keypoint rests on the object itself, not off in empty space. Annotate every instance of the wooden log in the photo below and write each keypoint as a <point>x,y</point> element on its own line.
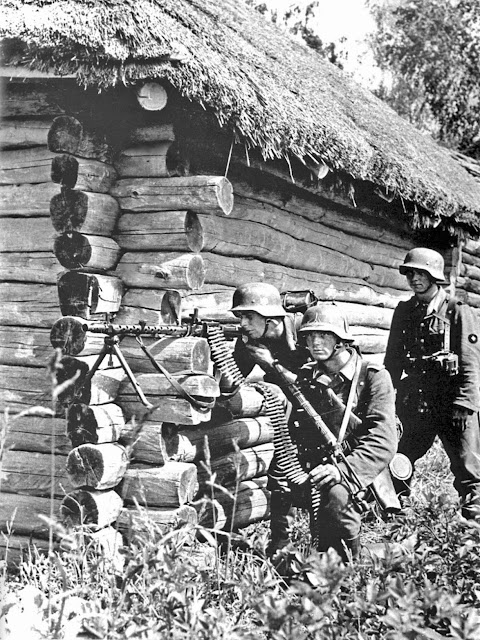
<point>156,443</point>
<point>230,271</point>
<point>26,234</point>
<point>21,513</point>
<point>33,433</point>
<point>469,284</point>
<point>69,135</point>
<point>30,166</point>
<point>252,504</point>
<point>28,305</point>
<point>41,267</point>
<point>244,432</point>
<point>88,212</point>
<point>24,200</point>
<point>472,247</point>
<point>84,294</point>
<point>24,387</point>
<point>169,486</point>
<point>238,466</point>
<point>175,354</point>
<point>97,466</point>
<point>354,221</point>
<point>73,371</point>
<point>470,271</point>
<point>162,270</point>
<point>370,340</point>
<point>156,384</point>
<point>25,346</point>
<point>315,229</point>
<point>94,425</point>
<point>153,160</point>
<point>83,174</point>
<point>133,522</point>
<point>31,473</point>
<point>152,306</point>
<point>105,385</point>
<point>144,134</point>
<point>158,231</point>
<point>257,239</point>
<point>79,251</point>
<point>197,193</point>
<point>247,402</point>
<point>468,297</point>
<point>29,99</point>
<point>15,134</point>
<point>16,550</point>
<point>167,409</point>
<point>96,509</point>
<point>69,335</point>
<point>151,96</point>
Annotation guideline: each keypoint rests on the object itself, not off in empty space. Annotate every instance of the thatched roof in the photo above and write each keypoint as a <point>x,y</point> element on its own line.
<point>274,93</point>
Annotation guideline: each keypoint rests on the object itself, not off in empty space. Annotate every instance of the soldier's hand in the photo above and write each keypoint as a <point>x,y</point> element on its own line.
<point>325,475</point>
<point>261,355</point>
<point>460,417</point>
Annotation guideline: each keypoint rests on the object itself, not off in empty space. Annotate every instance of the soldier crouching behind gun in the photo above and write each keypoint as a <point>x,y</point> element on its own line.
<point>433,343</point>
<point>338,367</point>
<point>269,334</point>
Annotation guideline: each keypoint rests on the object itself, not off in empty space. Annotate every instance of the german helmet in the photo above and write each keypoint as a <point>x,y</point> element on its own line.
<point>326,317</point>
<point>425,259</point>
<point>260,297</point>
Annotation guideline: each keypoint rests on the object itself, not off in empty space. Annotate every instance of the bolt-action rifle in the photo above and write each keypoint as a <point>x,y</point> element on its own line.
<point>333,451</point>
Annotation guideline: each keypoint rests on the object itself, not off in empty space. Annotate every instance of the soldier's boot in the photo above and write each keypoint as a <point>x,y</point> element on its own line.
<point>281,519</point>
<point>353,548</point>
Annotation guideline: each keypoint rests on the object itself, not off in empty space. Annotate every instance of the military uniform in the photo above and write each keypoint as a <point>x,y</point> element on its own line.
<point>285,351</point>
<point>369,448</point>
<point>427,394</point>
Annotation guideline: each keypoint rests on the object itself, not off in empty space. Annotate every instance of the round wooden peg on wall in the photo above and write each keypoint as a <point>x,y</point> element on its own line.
<point>151,96</point>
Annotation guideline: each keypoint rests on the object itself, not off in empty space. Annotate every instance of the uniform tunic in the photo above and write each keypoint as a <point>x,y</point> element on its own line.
<point>427,394</point>
<point>370,447</point>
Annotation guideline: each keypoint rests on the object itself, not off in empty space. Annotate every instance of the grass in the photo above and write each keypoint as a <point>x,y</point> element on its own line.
<point>418,577</point>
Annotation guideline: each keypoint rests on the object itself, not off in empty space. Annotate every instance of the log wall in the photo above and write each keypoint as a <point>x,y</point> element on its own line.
<point>135,219</point>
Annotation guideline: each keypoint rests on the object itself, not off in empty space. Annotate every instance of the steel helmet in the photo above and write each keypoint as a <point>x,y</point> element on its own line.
<point>326,317</point>
<point>260,297</point>
<point>425,259</point>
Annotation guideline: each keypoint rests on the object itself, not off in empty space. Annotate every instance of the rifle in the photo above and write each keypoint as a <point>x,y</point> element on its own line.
<point>382,487</point>
<point>332,448</point>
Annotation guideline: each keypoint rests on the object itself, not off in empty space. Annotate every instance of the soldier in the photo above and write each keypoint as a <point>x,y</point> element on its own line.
<point>433,345</point>
<point>269,334</point>
<point>339,368</point>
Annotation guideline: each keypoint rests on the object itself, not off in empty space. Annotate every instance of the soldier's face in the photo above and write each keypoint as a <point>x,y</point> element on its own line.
<point>321,344</point>
<point>418,280</point>
<point>252,324</point>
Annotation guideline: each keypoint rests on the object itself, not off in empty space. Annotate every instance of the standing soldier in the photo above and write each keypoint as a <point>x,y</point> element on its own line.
<point>369,444</point>
<point>269,334</point>
<point>433,345</point>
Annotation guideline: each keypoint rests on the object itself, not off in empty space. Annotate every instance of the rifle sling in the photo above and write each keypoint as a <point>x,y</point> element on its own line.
<point>350,399</point>
<point>202,406</point>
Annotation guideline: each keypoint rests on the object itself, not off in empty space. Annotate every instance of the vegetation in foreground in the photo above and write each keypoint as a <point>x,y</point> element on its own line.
<point>418,577</point>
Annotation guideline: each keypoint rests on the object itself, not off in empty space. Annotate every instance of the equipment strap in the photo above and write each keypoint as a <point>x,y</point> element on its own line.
<point>350,399</point>
<point>202,406</point>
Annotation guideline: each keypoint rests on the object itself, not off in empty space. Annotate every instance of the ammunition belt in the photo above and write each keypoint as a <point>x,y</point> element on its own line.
<point>285,451</point>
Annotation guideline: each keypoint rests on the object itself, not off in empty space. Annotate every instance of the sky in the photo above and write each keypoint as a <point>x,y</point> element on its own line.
<point>337,19</point>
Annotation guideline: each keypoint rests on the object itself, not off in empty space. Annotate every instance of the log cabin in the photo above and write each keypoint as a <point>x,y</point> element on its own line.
<point>155,155</point>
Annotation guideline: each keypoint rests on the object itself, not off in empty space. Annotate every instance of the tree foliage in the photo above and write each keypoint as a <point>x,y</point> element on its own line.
<point>297,20</point>
<point>431,48</point>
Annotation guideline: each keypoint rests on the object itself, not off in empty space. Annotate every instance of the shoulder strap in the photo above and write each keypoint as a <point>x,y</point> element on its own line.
<point>350,399</point>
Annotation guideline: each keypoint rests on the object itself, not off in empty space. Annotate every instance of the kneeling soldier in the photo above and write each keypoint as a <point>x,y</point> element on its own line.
<point>363,389</point>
